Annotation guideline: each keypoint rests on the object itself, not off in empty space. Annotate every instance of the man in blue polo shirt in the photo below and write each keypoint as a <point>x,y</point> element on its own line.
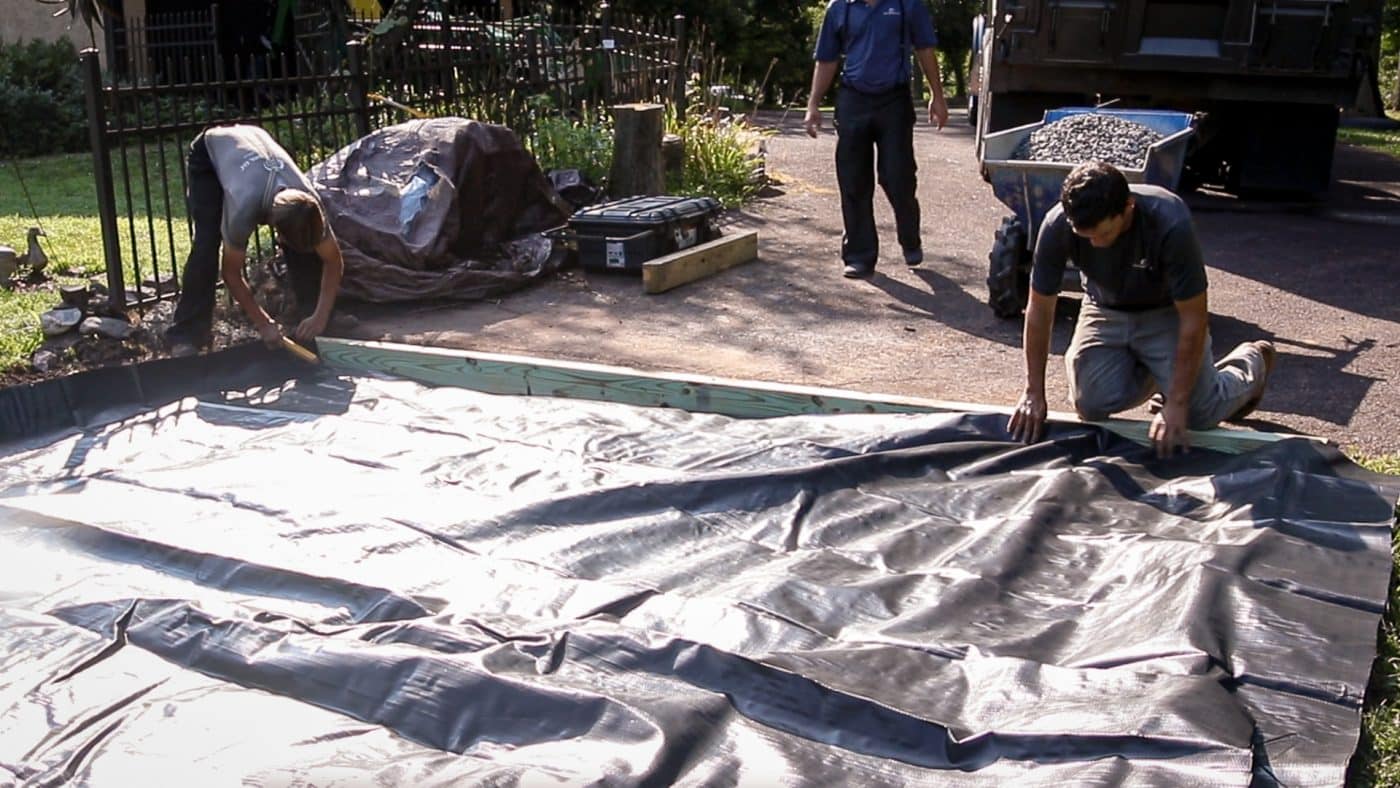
<point>874,111</point>
<point>1143,326</point>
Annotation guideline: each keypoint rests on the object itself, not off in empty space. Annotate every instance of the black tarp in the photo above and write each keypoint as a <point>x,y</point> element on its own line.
<point>445,208</point>
<point>359,581</point>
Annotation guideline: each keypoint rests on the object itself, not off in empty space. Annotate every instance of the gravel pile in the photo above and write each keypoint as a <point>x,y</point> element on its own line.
<point>1087,137</point>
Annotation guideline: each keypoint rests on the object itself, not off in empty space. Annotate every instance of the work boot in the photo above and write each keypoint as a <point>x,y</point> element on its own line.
<point>183,348</point>
<point>854,271</point>
<point>1267,351</point>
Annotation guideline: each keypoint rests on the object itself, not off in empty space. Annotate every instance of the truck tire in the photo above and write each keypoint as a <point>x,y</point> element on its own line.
<point>1009,270</point>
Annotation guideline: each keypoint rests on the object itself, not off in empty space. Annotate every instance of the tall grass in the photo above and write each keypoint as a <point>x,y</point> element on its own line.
<point>1377,761</point>
<point>581,141</point>
<point>723,157</point>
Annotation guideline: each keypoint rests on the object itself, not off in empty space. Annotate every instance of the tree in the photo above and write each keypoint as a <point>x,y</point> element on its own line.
<point>953,18</point>
<point>89,12</point>
<point>1390,43</point>
<point>750,35</point>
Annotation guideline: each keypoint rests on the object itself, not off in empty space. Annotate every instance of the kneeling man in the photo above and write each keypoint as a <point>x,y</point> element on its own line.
<point>1142,329</point>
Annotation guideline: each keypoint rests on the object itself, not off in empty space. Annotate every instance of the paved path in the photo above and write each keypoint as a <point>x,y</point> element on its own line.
<point>1321,281</point>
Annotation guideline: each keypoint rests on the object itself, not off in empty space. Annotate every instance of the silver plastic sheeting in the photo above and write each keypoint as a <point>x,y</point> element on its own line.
<point>443,208</point>
<point>359,581</point>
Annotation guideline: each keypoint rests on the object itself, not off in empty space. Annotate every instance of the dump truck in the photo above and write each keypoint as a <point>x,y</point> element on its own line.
<point>1265,78</point>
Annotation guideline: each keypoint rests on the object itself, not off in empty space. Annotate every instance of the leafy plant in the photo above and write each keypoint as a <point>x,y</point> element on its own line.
<point>724,156</point>
<point>41,99</point>
<point>582,140</point>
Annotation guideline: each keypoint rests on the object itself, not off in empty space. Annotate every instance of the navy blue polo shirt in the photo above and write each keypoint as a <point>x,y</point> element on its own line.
<point>876,41</point>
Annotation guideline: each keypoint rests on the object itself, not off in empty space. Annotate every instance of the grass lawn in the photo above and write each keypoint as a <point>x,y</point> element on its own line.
<point>1378,758</point>
<point>1385,141</point>
<point>60,190</point>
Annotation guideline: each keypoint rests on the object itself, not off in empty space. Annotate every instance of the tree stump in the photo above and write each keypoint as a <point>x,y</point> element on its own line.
<point>636,166</point>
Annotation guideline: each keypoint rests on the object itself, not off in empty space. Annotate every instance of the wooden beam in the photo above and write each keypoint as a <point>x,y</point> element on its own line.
<point>697,262</point>
<point>496,373</point>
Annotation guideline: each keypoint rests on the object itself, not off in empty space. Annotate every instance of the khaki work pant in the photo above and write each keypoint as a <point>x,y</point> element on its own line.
<point>1118,359</point>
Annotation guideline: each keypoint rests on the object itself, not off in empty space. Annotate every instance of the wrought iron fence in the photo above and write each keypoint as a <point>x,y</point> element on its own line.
<point>152,49</point>
<point>315,101</point>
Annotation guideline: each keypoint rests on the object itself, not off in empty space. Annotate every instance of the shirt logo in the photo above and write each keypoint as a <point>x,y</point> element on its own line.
<point>1142,265</point>
<point>891,11</point>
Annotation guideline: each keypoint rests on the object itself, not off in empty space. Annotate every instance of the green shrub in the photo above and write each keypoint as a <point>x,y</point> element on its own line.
<point>723,157</point>
<point>41,99</point>
<point>583,142</point>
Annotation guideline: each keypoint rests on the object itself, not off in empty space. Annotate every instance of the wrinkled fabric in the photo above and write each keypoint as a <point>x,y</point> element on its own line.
<point>345,580</point>
<point>445,208</point>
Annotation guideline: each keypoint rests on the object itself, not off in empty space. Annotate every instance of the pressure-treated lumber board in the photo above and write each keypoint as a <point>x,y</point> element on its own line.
<point>525,375</point>
<point>687,265</point>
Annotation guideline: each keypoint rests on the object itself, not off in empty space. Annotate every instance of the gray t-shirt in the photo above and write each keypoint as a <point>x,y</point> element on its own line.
<point>1154,263</point>
<point>252,168</point>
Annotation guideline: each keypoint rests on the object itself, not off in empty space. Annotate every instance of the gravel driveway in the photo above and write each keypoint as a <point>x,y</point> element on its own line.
<point>1319,280</point>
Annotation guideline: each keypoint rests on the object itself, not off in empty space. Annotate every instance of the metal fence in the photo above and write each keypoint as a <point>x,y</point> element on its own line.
<point>315,100</point>
<point>153,49</point>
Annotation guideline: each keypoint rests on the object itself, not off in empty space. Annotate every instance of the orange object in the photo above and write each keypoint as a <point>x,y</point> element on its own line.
<point>300,352</point>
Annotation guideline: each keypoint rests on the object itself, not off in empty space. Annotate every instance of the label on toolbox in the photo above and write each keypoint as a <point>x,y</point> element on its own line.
<point>617,254</point>
<point>686,236</point>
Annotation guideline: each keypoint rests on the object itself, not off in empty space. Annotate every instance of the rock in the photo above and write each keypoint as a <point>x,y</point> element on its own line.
<point>9,263</point>
<point>59,321</point>
<point>62,342</point>
<point>43,360</point>
<point>75,296</point>
<point>101,306</point>
<point>1089,137</point>
<point>160,286</point>
<point>106,326</point>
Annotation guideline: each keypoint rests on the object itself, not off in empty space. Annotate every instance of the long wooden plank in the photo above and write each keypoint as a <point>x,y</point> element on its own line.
<point>495,373</point>
<point>687,265</point>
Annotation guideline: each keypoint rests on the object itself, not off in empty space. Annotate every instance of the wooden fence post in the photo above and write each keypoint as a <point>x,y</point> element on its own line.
<point>609,45</point>
<point>678,86</point>
<point>636,166</point>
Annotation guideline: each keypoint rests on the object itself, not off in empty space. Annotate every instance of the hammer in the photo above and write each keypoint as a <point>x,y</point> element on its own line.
<point>299,351</point>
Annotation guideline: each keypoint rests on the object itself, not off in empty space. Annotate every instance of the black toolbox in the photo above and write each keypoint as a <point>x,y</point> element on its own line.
<point>623,234</point>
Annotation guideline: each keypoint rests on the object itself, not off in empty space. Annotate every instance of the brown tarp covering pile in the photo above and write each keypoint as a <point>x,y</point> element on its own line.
<point>446,208</point>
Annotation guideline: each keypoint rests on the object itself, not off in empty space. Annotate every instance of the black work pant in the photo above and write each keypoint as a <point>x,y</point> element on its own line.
<point>867,123</point>
<point>204,200</point>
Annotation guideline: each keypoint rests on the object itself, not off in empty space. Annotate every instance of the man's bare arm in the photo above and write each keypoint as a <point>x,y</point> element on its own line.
<point>332,270</point>
<point>1169,428</point>
<point>937,105</point>
<point>1028,420</point>
<point>823,74</point>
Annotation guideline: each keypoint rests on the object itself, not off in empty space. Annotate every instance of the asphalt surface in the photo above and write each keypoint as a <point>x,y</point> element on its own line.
<point>1318,279</point>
